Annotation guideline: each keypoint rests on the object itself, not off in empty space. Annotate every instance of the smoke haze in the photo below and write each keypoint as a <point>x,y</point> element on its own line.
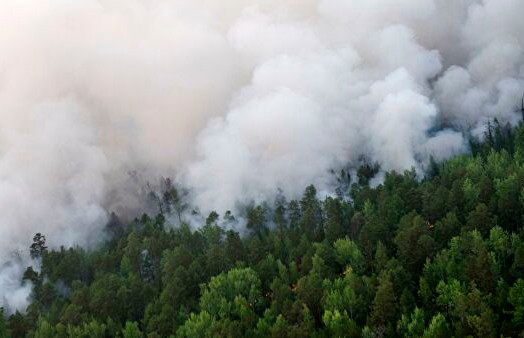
<point>235,99</point>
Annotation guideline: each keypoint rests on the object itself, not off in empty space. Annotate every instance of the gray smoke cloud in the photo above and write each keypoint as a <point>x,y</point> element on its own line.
<point>235,99</point>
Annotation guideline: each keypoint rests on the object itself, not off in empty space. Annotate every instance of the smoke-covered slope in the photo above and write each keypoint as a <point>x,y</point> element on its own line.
<point>437,257</point>
<point>234,98</point>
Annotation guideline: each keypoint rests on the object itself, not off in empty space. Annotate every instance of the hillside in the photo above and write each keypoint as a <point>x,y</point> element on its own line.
<point>434,257</point>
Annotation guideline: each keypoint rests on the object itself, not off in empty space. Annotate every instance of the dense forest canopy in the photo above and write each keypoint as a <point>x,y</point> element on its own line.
<point>435,257</point>
<point>256,106</point>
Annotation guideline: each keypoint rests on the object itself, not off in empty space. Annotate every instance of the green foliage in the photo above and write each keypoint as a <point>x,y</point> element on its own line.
<point>228,293</point>
<point>91,329</point>
<point>3,328</point>
<point>201,325</point>
<point>384,306</point>
<point>412,325</point>
<point>44,330</point>
<point>434,256</point>
<point>339,324</point>
<point>131,330</point>
<point>516,298</point>
<point>348,253</point>
<point>438,328</point>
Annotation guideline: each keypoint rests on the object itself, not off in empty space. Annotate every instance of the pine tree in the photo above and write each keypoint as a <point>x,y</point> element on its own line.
<point>384,305</point>
<point>131,330</point>
<point>3,328</point>
<point>334,225</point>
<point>38,247</point>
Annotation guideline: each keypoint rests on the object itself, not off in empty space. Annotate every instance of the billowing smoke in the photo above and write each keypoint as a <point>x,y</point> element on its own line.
<point>234,98</point>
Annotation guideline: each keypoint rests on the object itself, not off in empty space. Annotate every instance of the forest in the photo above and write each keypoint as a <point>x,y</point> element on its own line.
<point>438,256</point>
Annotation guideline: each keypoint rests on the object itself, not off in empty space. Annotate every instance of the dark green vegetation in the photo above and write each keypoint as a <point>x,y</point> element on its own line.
<point>438,257</point>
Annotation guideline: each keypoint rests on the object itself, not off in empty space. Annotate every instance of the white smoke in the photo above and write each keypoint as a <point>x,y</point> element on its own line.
<point>236,98</point>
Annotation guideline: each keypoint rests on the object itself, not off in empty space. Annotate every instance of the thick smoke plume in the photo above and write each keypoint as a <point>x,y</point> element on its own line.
<point>236,98</point>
